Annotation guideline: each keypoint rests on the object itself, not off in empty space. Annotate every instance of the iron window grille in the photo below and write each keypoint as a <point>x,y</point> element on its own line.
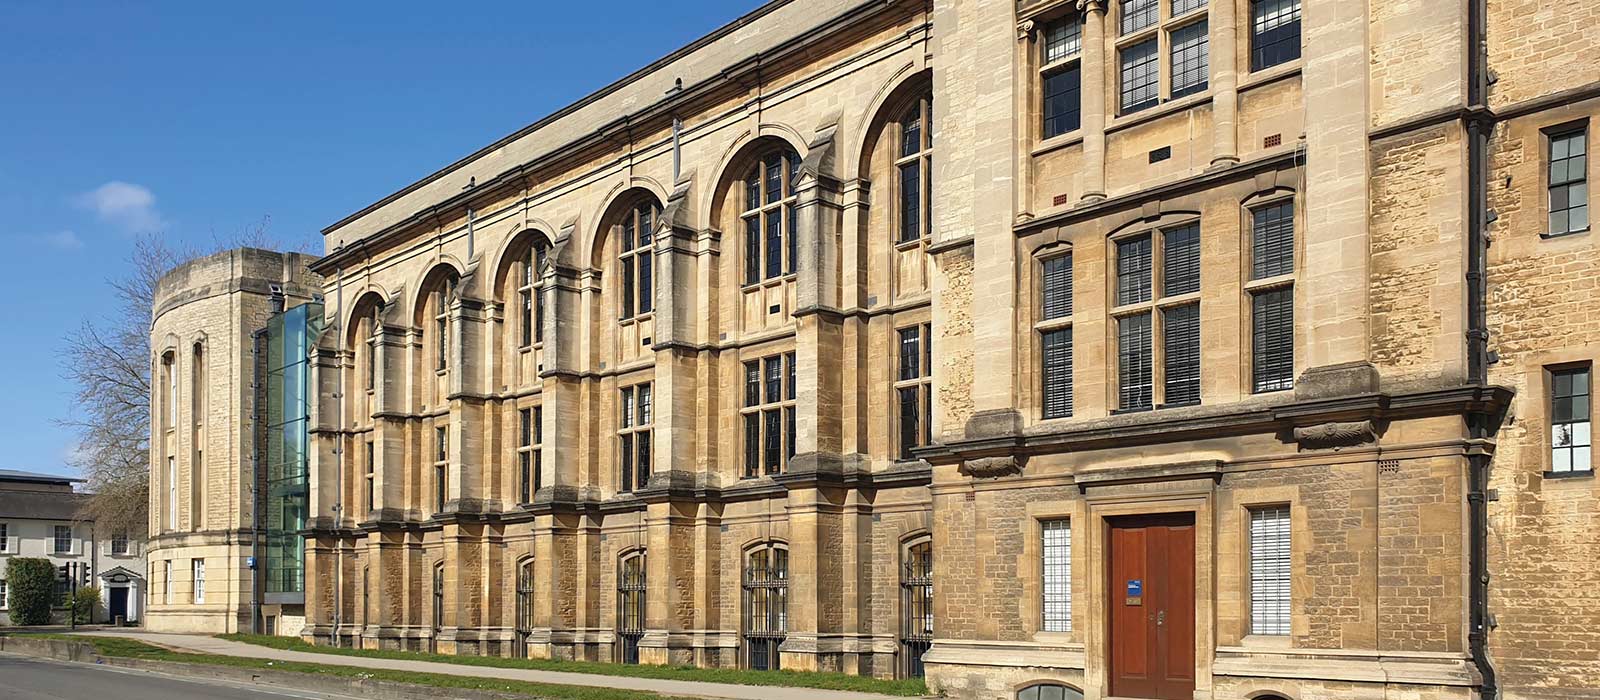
<point>766,605</point>
<point>631,592</point>
<point>634,257</point>
<point>1569,186</point>
<point>1274,32</point>
<point>1570,414</point>
<point>1190,49</point>
<point>1270,565</point>
<point>916,608</point>
<point>913,389</point>
<point>914,163</point>
<point>769,216</point>
<point>1056,558</point>
<point>633,437</point>
<point>1061,75</point>
<point>1049,691</point>
<point>768,414</point>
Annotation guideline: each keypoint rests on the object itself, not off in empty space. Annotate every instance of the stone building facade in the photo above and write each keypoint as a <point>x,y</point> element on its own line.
<point>203,525</point>
<point>1048,349</point>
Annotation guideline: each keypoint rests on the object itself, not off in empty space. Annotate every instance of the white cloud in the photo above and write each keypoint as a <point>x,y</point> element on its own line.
<point>133,207</point>
<point>63,240</point>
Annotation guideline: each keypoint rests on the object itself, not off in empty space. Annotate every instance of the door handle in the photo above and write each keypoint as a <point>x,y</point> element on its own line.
<point>1161,617</point>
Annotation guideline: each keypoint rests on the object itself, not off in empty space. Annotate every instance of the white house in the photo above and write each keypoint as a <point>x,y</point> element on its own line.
<point>39,517</point>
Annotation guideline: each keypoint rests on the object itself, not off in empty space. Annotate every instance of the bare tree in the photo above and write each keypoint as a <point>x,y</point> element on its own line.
<point>108,362</point>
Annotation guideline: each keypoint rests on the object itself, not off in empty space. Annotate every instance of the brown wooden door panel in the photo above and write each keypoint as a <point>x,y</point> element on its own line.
<point>1152,631</point>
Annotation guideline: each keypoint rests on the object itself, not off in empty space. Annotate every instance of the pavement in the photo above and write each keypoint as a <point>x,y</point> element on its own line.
<point>29,678</point>
<point>720,691</point>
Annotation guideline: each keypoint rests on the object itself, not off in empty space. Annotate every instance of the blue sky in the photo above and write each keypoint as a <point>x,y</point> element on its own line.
<point>200,119</point>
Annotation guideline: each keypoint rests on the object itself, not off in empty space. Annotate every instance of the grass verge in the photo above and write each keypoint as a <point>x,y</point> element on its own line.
<point>909,687</point>
<point>133,649</point>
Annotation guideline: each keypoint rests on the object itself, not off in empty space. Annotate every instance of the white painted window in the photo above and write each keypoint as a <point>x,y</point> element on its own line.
<point>1570,414</point>
<point>62,539</point>
<point>1057,568</point>
<point>1269,570</point>
<point>199,580</point>
<point>5,597</point>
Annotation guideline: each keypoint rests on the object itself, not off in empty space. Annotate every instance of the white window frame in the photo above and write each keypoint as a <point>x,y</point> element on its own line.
<point>197,569</point>
<point>55,540</point>
<point>1270,572</point>
<point>1055,574</point>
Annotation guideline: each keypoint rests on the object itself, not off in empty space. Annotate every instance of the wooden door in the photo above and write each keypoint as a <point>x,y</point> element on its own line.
<point>1151,593</point>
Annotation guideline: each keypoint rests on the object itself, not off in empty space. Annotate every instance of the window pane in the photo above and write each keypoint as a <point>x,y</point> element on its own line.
<point>752,250</point>
<point>1181,261</point>
<point>1273,340</point>
<point>647,287</point>
<point>1133,362</point>
<point>911,132</point>
<point>771,439</point>
<point>1181,328</point>
<point>1274,32</point>
<point>1133,271</point>
<point>628,289</point>
<point>1063,101</point>
<point>1063,38</point>
<point>1056,278</point>
<point>1141,76</point>
<point>910,201</point>
<point>1569,189</point>
<point>910,353</point>
<point>1270,556</point>
<point>1138,14</point>
<point>1056,355</point>
<point>1272,240</point>
<point>752,384</point>
<point>752,444</point>
<point>774,379</point>
<point>1057,554</point>
<point>910,415</point>
<point>774,243</point>
<point>1184,6</point>
<point>1190,59</point>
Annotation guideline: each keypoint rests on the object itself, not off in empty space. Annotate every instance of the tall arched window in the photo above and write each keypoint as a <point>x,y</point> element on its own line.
<point>370,347</point>
<point>631,591</point>
<point>916,607</point>
<point>914,159</point>
<point>769,216</point>
<point>530,302</point>
<point>634,257</point>
<point>766,605</point>
<point>443,297</point>
<point>524,607</point>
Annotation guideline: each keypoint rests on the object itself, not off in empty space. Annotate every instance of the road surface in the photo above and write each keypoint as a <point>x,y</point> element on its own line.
<point>27,678</point>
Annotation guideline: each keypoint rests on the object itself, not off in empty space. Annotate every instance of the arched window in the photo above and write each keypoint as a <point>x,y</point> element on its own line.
<point>914,160</point>
<point>169,373</point>
<point>766,605</point>
<point>530,302</point>
<point>1049,691</point>
<point>370,347</point>
<point>637,229</point>
<point>524,607</point>
<point>769,216</point>
<point>916,607</point>
<point>631,591</point>
<point>442,298</point>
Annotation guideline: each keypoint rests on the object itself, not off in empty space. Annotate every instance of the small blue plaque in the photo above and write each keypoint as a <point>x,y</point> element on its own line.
<point>1135,587</point>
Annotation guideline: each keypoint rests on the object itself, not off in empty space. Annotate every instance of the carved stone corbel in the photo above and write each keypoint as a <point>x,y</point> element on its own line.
<point>1336,436</point>
<point>991,467</point>
<point>1024,30</point>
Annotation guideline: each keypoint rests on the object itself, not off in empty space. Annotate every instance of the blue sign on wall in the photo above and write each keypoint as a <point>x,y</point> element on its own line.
<point>1135,587</point>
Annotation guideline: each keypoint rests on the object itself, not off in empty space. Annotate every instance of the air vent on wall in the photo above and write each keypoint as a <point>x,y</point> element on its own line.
<point>645,342</point>
<point>1273,140</point>
<point>772,309</point>
<point>1161,154</point>
<point>1061,199</point>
